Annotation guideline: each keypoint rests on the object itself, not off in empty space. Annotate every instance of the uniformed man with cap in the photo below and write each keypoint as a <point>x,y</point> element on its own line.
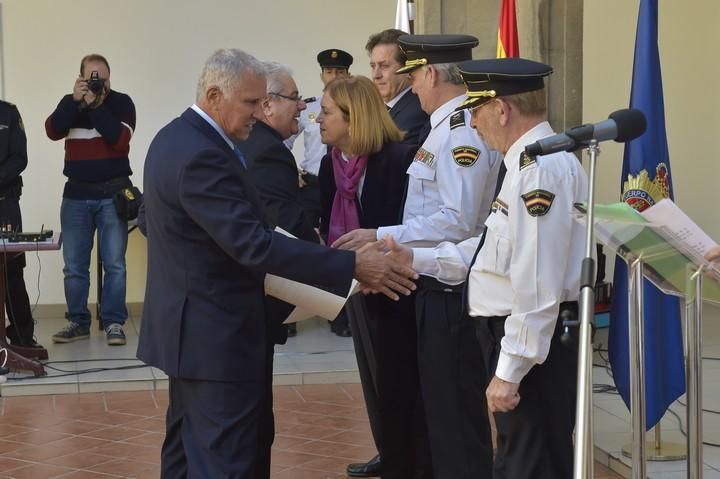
<point>524,272</point>
<point>450,188</point>
<point>13,161</point>
<point>333,63</point>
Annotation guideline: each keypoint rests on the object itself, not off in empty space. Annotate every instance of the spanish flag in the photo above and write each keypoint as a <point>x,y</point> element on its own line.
<point>507,45</point>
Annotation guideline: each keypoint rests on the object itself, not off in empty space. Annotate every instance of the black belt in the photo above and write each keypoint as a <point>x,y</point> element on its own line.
<point>431,284</point>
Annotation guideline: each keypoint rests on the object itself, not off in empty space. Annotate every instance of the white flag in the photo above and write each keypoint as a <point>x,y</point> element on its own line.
<point>404,13</point>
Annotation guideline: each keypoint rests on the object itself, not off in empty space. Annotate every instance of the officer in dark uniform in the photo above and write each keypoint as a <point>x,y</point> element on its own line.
<point>13,160</point>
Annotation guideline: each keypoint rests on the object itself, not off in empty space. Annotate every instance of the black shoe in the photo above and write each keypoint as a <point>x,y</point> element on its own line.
<point>15,340</point>
<point>365,469</point>
<point>343,333</point>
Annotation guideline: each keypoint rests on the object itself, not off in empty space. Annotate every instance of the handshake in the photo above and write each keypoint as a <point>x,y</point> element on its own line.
<point>385,267</point>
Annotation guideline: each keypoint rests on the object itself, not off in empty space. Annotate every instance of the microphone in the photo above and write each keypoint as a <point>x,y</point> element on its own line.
<point>621,126</point>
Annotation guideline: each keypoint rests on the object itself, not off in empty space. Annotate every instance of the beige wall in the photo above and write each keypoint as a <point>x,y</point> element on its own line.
<point>688,36</point>
<point>156,49</point>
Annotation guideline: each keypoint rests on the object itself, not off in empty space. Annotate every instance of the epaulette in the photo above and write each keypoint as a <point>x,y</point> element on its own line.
<point>457,120</point>
<point>310,100</point>
<point>526,160</point>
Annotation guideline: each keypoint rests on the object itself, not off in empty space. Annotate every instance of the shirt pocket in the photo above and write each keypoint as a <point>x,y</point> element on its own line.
<point>419,194</point>
<point>498,241</point>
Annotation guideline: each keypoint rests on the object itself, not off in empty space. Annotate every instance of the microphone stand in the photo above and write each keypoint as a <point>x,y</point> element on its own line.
<point>584,462</point>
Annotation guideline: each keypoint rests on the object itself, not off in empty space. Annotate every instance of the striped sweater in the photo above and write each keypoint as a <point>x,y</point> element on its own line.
<point>97,143</point>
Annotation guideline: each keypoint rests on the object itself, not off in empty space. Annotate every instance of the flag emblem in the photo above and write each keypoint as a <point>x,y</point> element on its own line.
<point>641,192</point>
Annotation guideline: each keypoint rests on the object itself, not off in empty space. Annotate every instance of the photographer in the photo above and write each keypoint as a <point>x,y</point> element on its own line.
<point>97,124</point>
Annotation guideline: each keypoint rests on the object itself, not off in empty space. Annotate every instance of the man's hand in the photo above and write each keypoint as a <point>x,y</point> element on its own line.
<point>713,254</point>
<point>356,239</point>
<point>380,273</point>
<point>502,396</point>
<point>301,182</point>
<point>80,89</point>
<point>401,254</point>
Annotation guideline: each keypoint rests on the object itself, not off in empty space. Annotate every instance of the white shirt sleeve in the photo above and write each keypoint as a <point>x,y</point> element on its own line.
<point>537,271</point>
<point>447,262</point>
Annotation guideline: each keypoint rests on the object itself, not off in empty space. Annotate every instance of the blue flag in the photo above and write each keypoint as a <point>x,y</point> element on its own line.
<point>645,180</point>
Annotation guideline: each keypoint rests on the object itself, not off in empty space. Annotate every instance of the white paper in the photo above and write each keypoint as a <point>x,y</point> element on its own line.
<point>309,301</point>
<point>680,231</point>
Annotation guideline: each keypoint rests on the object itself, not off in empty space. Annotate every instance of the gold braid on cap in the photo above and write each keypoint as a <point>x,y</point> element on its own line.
<point>416,63</point>
<point>481,94</point>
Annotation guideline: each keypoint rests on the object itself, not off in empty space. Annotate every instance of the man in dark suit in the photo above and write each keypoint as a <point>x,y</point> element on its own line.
<point>272,164</point>
<point>209,248</point>
<point>386,57</point>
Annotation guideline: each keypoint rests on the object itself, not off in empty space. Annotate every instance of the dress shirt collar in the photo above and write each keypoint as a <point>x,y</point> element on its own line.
<point>512,157</point>
<point>445,110</point>
<point>212,123</point>
<point>395,100</point>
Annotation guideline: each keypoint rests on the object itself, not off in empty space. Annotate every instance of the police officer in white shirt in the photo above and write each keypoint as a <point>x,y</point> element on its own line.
<point>333,63</point>
<point>525,276</point>
<point>450,188</point>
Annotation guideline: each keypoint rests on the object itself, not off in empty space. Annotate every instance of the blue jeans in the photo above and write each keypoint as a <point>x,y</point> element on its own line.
<point>78,221</point>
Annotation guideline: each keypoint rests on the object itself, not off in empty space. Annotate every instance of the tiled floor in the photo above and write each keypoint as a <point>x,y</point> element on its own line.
<point>320,428</point>
<point>315,356</point>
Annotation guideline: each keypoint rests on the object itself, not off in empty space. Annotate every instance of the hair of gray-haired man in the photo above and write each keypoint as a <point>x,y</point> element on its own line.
<point>225,69</point>
<point>449,72</point>
<point>274,73</point>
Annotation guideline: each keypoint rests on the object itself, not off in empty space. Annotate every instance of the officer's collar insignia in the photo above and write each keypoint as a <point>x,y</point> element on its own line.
<point>641,192</point>
<point>538,202</point>
<point>465,155</point>
<point>499,205</point>
<point>457,120</point>
<point>425,157</point>
<point>526,160</point>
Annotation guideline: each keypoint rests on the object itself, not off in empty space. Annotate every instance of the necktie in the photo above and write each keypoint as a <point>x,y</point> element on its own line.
<point>498,185</point>
<point>240,156</point>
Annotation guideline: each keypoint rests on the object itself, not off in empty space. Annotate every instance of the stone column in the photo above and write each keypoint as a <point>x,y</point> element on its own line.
<point>550,31</point>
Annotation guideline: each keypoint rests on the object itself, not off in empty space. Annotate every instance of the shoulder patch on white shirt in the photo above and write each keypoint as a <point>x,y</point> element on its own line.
<point>425,157</point>
<point>538,202</point>
<point>465,156</point>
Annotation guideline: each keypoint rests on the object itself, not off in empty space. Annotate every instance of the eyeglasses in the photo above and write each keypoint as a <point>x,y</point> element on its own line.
<point>477,108</point>
<point>296,99</point>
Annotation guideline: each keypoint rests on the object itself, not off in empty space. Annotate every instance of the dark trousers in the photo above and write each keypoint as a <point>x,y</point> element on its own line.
<point>212,430</point>
<point>535,440</point>
<point>385,347</point>
<point>17,302</point>
<point>452,383</point>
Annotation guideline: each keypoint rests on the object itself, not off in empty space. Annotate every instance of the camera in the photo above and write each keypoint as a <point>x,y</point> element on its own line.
<point>95,83</point>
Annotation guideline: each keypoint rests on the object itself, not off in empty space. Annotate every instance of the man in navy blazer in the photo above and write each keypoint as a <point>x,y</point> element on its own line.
<point>209,248</point>
<point>386,57</point>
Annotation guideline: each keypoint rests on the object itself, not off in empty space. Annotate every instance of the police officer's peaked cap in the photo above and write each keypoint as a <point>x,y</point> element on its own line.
<point>427,49</point>
<point>334,58</point>
<point>488,79</point>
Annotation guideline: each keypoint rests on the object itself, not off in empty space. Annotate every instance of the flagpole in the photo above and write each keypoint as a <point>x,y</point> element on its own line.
<point>584,461</point>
